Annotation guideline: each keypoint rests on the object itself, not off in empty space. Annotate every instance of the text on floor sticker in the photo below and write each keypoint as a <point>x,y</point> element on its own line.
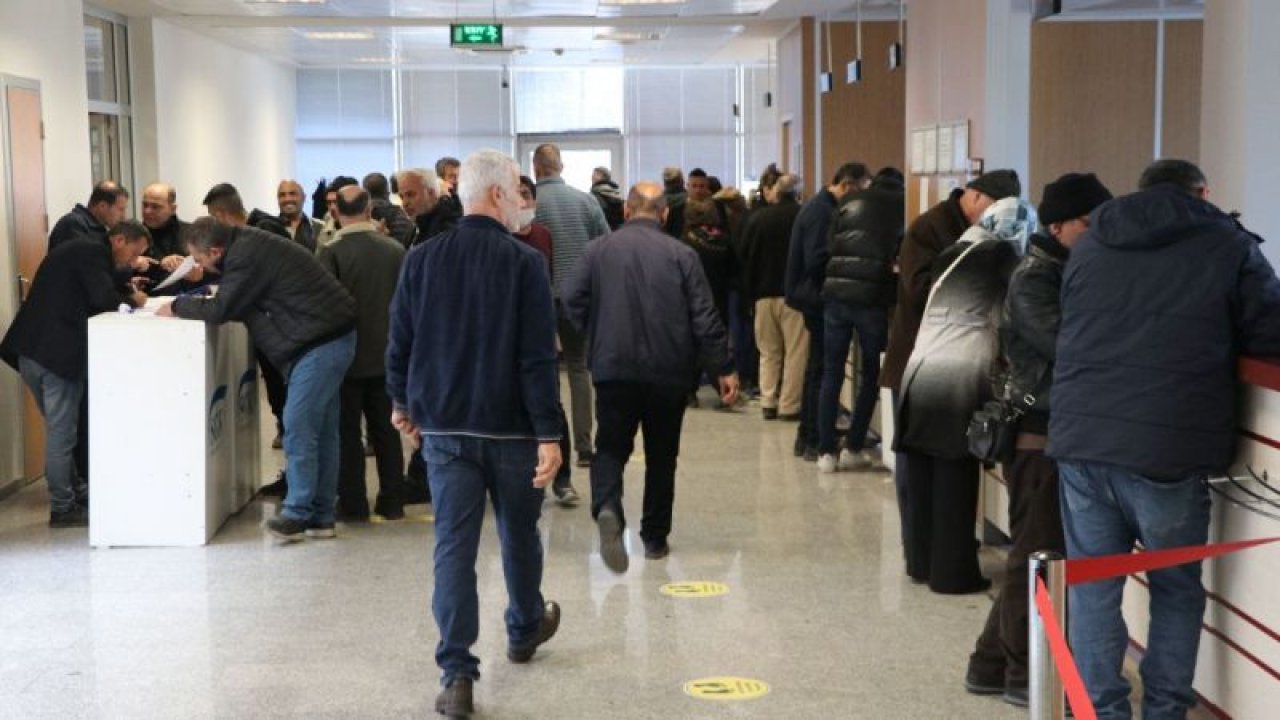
<point>726,688</point>
<point>700,588</point>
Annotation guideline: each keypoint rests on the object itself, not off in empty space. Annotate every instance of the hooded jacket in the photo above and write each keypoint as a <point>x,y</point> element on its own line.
<point>607,193</point>
<point>865,236</point>
<point>1159,299</point>
<point>278,290</point>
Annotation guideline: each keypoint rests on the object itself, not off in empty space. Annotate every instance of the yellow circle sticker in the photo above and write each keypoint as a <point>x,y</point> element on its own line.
<point>697,589</point>
<point>726,688</point>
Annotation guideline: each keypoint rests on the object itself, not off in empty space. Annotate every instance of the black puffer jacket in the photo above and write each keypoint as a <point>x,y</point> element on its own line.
<point>277,289</point>
<point>1029,328</point>
<point>865,236</point>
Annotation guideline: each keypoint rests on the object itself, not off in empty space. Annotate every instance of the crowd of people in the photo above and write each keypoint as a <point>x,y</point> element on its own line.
<point>390,304</point>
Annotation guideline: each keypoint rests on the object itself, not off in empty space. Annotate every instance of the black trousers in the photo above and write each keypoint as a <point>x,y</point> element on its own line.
<point>367,398</point>
<point>941,547</point>
<point>1035,524</point>
<point>621,409</point>
<point>277,390</point>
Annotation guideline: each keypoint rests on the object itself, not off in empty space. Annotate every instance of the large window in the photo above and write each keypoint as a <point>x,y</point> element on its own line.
<point>106,54</point>
<point>354,121</point>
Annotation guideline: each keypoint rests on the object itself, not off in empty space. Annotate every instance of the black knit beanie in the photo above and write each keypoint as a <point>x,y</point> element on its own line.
<point>1071,196</point>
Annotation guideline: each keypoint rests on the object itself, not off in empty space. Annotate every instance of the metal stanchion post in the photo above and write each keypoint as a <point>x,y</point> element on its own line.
<point>1045,691</point>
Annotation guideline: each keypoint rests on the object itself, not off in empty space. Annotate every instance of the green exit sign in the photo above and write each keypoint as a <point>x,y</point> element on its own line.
<point>475,35</point>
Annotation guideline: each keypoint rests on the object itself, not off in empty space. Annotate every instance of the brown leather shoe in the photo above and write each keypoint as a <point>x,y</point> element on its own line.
<point>546,630</point>
<point>455,700</point>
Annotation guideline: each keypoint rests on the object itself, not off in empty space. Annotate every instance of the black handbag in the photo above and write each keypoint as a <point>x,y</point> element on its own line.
<point>993,429</point>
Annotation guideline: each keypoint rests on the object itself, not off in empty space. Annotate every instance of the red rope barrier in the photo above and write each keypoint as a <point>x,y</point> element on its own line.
<point>1085,570</point>
<point>1081,705</point>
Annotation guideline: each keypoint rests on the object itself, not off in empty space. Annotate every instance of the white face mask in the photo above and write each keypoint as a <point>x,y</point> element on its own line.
<point>524,217</point>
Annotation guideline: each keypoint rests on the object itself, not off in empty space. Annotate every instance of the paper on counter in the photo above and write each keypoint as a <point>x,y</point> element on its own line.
<point>188,264</point>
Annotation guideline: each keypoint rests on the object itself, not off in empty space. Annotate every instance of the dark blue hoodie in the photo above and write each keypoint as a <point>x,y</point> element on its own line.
<point>1159,299</point>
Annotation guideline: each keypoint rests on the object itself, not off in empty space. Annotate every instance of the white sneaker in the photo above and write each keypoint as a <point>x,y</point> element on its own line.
<point>826,463</point>
<point>853,461</point>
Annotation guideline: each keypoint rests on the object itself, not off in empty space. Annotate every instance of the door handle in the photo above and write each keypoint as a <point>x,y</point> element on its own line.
<point>23,283</point>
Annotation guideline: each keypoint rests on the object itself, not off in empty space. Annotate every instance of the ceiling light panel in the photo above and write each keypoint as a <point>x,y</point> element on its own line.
<point>338,35</point>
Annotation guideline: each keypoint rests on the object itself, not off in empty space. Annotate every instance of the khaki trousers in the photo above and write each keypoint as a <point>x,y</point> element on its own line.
<point>784,349</point>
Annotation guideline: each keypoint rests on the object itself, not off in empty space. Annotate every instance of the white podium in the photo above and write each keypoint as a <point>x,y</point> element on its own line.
<point>173,428</point>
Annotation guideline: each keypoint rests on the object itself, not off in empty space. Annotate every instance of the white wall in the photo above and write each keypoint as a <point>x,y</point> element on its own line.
<point>41,41</point>
<point>221,114</point>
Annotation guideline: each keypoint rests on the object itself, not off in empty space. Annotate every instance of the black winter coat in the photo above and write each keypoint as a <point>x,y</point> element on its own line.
<point>75,281</point>
<point>766,238</point>
<point>167,240</point>
<point>1159,299</point>
<point>1029,328</point>
<point>807,256</point>
<point>277,289</point>
<point>865,236</point>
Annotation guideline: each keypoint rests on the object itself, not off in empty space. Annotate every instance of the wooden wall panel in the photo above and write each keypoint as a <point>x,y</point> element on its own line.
<point>865,122</point>
<point>1184,57</point>
<point>1092,101</point>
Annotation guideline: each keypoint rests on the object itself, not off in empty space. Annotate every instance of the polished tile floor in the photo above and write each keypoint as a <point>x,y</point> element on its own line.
<point>817,607</point>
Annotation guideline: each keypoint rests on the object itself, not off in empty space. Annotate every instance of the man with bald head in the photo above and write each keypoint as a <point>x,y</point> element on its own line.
<point>303,229</point>
<point>573,217</point>
<point>160,215</point>
<point>642,356</point>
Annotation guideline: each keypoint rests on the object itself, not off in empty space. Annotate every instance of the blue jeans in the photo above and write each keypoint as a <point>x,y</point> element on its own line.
<point>312,440</point>
<point>59,401</point>
<point>462,470</point>
<point>1106,509</point>
<point>841,322</point>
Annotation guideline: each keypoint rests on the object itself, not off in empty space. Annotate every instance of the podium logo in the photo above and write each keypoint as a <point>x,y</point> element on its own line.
<point>246,391</point>
<point>217,416</point>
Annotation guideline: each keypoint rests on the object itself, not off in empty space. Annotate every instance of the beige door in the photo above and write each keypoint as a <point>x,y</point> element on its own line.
<point>24,147</point>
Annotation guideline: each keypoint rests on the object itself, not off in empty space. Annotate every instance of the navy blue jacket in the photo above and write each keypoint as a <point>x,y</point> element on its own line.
<point>76,224</point>
<point>1159,299</point>
<point>645,303</point>
<point>472,347</point>
<point>808,254</point>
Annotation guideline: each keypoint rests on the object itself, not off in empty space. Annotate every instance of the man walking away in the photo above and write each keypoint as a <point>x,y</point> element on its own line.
<point>1160,298</point>
<point>573,217</point>
<point>641,297</point>
<point>471,366</point>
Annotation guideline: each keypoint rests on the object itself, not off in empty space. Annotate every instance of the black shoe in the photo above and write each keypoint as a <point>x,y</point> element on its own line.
<point>546,630</point>
<point>1016,696</point>
<point>324,530</point>
<point>566,496</point>
<point>799,447</point>
<point>388,510</point>
<point>584,459</point>
<point>769,413</point>
<point>789,417</point>
<point>612,550</point>
<point>76,517</point>
<point>279,488</point>
<point>286,529</point>
<point>977,683</point>
<point>455,700</point>
<point>656,549</point>
<point>810,453</point>
<point>351,517</point>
